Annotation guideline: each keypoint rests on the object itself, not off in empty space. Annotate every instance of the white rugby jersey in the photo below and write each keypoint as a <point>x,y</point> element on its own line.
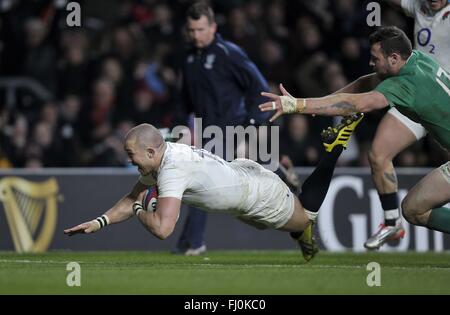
<point>431,33</point>
<point>202,179</point>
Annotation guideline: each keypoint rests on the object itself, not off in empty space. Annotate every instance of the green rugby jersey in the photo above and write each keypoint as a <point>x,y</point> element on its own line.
<point>421,91</point>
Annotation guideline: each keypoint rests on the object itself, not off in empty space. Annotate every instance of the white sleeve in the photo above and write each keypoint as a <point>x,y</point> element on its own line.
<point>148,180</point>
<point>172,182</point>
<point>409,6</point>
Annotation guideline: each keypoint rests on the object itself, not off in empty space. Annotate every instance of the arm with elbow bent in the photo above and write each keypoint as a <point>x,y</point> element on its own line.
<point>121,211</point>
<point>161,222</point>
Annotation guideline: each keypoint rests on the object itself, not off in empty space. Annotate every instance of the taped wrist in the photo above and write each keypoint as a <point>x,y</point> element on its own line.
<point>289,104</point>
<point>102,221</point>
<point>137,206</point>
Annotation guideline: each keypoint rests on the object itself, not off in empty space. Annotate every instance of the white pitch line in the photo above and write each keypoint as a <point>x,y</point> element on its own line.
<point>245,266</point>
<point>26,261</point>
<point>322,266</point>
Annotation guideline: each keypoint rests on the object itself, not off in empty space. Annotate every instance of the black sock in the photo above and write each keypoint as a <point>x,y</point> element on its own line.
<point>316,185</point>
<point>389,203</point>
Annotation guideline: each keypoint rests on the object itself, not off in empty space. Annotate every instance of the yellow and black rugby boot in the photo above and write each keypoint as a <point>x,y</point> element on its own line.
<point>340,135</point>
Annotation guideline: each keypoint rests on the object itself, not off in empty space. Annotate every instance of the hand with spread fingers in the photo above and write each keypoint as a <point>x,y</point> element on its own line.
<point>83,228</point>
<point>282,104</point>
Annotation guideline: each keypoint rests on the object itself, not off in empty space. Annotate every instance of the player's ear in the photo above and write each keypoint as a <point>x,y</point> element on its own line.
<point>394,59</point>
<point>150,153</point>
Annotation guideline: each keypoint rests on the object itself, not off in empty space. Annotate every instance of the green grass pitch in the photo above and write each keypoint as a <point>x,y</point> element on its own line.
<point>224,272</point>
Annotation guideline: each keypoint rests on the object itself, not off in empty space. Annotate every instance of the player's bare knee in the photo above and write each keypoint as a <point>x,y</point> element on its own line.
<point>377,159</point>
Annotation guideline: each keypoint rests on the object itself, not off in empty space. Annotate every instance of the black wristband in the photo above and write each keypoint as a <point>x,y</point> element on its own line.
<point>137,207</point>
<point>103,221</point>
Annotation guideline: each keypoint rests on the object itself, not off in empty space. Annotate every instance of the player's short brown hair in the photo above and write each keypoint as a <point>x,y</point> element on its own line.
<point>392,40</point>
<point>199,9</point>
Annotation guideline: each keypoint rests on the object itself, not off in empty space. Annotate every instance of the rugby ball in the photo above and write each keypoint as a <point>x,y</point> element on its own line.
<point>150,199</point>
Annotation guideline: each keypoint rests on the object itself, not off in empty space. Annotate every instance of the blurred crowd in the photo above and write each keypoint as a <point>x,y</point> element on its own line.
<point>121,68</point>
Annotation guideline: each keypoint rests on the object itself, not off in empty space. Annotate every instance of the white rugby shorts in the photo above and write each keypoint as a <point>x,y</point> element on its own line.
<point>416,129</point>
<point>270,203</point>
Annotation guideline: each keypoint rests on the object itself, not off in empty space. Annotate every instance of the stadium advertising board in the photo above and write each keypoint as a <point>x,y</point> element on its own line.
<point>36,207</point>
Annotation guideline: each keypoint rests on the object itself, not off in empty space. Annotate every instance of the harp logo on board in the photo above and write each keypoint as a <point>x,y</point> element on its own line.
<point>31,212</point>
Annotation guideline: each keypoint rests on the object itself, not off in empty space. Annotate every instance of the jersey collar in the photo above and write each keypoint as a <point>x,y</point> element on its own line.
<point>410,64</point>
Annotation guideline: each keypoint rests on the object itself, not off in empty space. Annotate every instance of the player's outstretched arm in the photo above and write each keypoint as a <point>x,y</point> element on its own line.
<point>341,104</point>
<point>121,211</point>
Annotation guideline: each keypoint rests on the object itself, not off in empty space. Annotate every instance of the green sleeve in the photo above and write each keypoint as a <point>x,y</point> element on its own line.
<point>398,91</point>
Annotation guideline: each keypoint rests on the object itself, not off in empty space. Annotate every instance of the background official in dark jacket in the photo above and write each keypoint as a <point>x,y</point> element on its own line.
<point>222,86</point>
